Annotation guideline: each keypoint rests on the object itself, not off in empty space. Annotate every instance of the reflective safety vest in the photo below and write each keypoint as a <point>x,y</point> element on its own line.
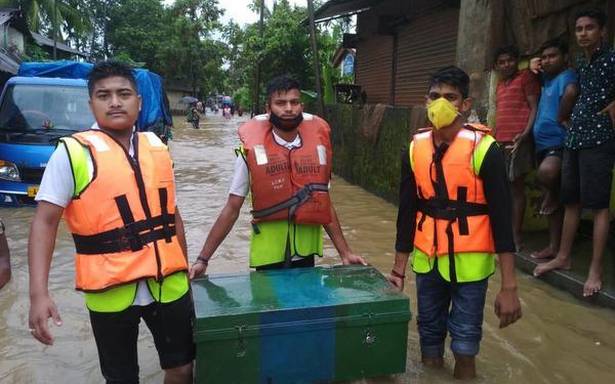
<point>268,242</point>
<point>122,218</point>
<point>290,202</point>
<point>293,184</point>
<point>452,224</point>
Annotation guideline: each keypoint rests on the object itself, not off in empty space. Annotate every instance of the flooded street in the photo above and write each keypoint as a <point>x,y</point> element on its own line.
<point>558,340</point>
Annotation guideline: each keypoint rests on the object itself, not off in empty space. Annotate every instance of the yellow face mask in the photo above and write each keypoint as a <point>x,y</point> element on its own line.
<point>441,113</point>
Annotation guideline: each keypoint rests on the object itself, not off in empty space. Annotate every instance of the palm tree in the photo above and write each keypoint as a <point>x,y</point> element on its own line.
<point>40,14</point>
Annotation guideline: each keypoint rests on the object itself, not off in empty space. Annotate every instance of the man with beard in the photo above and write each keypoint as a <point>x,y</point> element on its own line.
<point>285,162</point>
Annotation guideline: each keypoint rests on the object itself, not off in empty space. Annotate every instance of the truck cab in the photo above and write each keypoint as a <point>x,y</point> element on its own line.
<point>34,113</point>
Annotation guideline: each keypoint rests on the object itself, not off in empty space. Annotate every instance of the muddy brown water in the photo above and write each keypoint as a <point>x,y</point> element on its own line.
<point>558,340</point>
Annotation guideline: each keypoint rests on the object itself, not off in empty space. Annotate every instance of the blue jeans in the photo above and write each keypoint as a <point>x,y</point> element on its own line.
<point>463,320</point>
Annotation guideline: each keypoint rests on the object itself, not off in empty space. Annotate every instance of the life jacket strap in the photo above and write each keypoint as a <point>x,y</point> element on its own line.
<point>166,218</point>
<point>451,211</point>
<point>126,238</point>
<point>133,235</point>
<point>293,202</point>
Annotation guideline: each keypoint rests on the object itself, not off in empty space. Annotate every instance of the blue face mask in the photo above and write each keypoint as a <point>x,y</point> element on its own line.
<point>285,124</point>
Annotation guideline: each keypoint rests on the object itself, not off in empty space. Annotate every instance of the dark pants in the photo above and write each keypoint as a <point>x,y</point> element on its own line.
<point>116,337</point>
<point>587,174</point>
<point>463,320</point>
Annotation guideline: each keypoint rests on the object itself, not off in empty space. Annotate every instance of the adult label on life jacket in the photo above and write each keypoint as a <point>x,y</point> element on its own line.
<point>261,154</point>
<point>98,143</point>
<point>322,154</point>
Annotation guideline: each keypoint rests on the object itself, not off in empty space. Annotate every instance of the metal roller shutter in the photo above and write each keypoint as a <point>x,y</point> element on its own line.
<point>427,44</point>
<point>373,68</point>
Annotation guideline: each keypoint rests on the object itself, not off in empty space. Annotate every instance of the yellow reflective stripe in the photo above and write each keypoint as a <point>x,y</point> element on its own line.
<point>119,298</point>
<point>113,300</point>
<point>480,152</point>
<point>269,245</point>
<point>240,151</point>
<point>78,155</point>
<point>470,266</point>
<point>410,150</point>
<point>173,287</point>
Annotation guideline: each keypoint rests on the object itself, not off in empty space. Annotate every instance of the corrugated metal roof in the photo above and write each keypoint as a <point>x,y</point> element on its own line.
<point>8,64</point>
<point>43,40</point>
<point>338,8</point>
<point>15,18</point>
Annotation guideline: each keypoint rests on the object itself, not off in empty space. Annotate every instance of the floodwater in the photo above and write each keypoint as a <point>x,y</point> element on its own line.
<point>558,340</point>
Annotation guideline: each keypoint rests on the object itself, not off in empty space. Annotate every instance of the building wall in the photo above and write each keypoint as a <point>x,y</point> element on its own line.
<point>174,99</point>
<point>373,68</point>
<point>15,38</point>
<point>374,164</point>
<point>401,44</point>
<point>426,44</point>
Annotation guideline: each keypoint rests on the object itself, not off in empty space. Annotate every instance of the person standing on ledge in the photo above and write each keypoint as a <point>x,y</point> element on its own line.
<point>589,149</point>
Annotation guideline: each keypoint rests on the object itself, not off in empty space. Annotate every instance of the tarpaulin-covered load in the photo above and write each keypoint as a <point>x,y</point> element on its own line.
<point>155,107</point>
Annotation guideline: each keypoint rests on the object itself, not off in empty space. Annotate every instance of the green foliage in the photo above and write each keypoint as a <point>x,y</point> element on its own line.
<point>185,41</point>
<point>40,15</point>
<point>35,53</point>
<point>136,29</point>
<point>284,48</point>
<point>242,97</point>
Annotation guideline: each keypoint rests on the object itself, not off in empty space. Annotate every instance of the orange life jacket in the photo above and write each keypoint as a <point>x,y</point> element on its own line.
<point>289,184</point>
<point>454,218</point>
<point>123,222</point>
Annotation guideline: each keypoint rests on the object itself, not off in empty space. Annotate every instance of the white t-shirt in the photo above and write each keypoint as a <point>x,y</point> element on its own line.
<point>240,185</point>
<point>57,187</point>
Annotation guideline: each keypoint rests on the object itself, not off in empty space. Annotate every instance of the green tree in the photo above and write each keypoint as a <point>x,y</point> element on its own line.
<point>135,29</point>
<point>40,14</point>
<point>284,48</point>
<point>188,53</point>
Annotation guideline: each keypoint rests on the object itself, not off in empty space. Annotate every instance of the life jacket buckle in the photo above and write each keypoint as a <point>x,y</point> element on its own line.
<point>132,237</point>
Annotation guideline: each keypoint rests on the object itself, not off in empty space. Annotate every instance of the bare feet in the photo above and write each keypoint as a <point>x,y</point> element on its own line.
<point>546,253</point>
<point>557,263</point>
<point>593,284</point>
<point>465,367</point>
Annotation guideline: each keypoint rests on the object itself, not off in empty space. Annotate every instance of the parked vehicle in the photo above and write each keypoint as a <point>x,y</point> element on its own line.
<point>34,113</point>
<point>47,101</point>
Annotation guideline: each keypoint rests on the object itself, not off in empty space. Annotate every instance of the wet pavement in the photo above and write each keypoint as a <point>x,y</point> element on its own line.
<point>559,340</point>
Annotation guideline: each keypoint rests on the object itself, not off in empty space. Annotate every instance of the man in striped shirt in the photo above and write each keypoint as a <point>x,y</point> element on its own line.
<point>516,105</point>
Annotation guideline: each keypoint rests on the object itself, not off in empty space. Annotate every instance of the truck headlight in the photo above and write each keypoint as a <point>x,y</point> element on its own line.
<point>9,171</point>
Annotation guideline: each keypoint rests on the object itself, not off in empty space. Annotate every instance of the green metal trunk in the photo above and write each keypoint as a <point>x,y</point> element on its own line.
<point>305,325</point>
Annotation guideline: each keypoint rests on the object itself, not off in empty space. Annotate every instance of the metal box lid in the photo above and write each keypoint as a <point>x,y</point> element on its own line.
<point>283,299</point>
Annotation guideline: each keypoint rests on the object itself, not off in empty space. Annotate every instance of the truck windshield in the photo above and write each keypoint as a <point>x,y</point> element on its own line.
<point>41,108</point>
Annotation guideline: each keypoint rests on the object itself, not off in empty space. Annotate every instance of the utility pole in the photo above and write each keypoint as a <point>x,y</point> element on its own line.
<point>55,30</point>
<point>320,101</point>
<point>257,87</point>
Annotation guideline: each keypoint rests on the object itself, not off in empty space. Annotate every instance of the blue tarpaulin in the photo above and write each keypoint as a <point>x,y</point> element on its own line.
<point>154,109</point>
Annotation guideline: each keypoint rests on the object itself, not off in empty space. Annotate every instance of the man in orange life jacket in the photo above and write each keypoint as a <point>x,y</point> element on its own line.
<point>454,215</point>
<point>285,162</point>
<point>116,190</point>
